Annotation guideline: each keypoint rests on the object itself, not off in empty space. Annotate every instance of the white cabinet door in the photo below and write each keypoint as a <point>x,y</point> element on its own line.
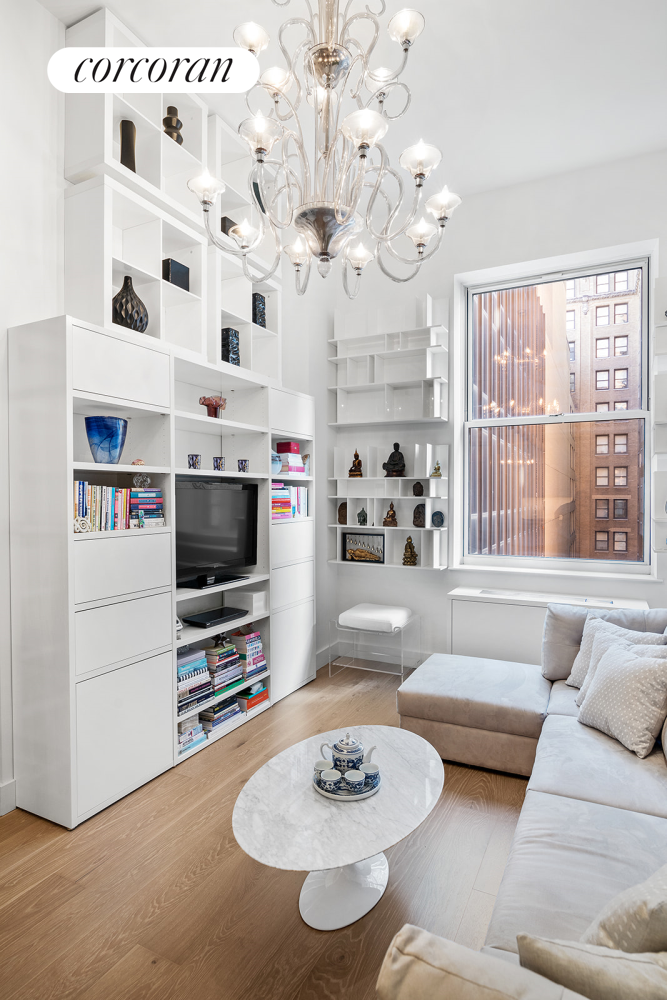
<point>112,367</point>
<point>124,730</point>
<point>291,541</point>
<point>121,631</point>
<point>292,649</point>
<point>291,412</point>
<point>290,584</point>
<point>120,563</point>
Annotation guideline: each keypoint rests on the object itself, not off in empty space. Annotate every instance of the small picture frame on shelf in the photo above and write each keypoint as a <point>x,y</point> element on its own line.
<point>362,547</point>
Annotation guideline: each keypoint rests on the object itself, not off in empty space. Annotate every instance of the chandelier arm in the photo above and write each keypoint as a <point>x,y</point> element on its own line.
<point>354,291</point>
<point>384,89</point>
<point>363,16</point>
<point>284,3</point>
<point>423,257</point>
<point>235,252</point>
<point>388,273</point>
<point>385,169</point>
<point>302,284</point>
<point>358,58</point>
<point>355,192</point>
<point>261,275</point>
<point>378,13</point>
<point>403,63</point>
<point>258,175</point>
<point>285,51</point>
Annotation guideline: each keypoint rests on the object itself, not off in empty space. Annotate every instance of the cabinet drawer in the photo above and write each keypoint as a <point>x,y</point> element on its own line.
<point>291,584</point>
<point>116,750</point>
<point>112,367</point>
<point>292,649</point>
<point>120,564</point>
<point>121,631</point>
<point>291,413</point>
<point>291,540</point>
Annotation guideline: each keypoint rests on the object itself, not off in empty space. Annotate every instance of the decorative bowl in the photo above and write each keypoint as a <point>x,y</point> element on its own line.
<point>106,437</point>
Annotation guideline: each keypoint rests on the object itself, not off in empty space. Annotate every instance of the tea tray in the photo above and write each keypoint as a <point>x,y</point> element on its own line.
<point>345,795</point>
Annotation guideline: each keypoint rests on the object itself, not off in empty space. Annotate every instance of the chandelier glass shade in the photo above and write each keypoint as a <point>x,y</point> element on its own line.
<point>321,182</point>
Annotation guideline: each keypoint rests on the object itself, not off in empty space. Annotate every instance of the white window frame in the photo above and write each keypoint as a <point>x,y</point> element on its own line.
<point>643,254</point>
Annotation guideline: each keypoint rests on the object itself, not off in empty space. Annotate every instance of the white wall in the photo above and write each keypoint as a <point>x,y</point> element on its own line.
<point>31,254</point>
<point>618,203</point>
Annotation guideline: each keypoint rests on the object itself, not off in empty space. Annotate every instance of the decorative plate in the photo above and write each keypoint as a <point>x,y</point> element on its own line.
<point>345,795</point>
<point>437,519</point>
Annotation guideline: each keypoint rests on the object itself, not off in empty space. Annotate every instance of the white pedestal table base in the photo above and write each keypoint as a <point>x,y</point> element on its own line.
<point>337,897</point>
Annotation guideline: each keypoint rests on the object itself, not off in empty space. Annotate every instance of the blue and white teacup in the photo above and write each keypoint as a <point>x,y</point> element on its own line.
<point>330,780</point>
<point>320,766</point>
<point>371,774</point>
<point>354,780</point>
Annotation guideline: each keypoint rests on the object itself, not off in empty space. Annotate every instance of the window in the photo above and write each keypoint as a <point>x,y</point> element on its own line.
<point>620,346</point>
<point>601,508</point>
<point>602,283</point>
<point>621,404</point>
<point>621,475</point>
<point>620,509</point>
<point>569,289</point>
<point>621,313</point>
<point>621,378</point>
<point>602,315</point>
<point>621,281</point>
<point>620,541</point>
<point>533,443</point>
<point>602,541</point>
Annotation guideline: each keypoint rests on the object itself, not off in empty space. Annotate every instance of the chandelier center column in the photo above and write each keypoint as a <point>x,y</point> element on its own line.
<point>328,21</point>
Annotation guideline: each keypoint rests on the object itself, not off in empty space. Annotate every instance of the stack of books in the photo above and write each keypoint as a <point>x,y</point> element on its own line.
<point>252,698</point>
<point>146,509</point>
<point>288,502</point>
<point>224,667</point>
<point>190,734</point>
<point>250,653</point>
<point>106,508</point>
<point>290,453</point>
<point>194,681</point>
<point>212,718</point>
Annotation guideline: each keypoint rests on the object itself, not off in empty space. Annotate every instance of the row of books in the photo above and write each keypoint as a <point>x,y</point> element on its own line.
<point>291,459</point>
<point>288,502</point>
<point>196,729</point>
<point>203,674</point>
<point>109,508</point>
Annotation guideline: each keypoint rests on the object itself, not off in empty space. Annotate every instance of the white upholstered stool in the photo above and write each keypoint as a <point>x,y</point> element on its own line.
<point>375,637</point>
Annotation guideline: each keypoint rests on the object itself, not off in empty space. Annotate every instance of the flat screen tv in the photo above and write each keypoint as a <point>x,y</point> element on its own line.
<point>216,530</point>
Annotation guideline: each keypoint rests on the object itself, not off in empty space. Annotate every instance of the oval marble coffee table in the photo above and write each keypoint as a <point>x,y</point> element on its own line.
<point>280,820</point>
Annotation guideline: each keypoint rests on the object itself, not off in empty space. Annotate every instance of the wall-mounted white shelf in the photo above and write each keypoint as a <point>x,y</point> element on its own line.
<point>188,593</point>
<point>105,467</point>
<point>213,473</point>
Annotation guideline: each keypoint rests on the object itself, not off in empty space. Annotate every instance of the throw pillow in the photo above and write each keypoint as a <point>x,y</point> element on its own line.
<point>627,698</point>
<point>636,919</point>
<point>420,964</point>
<point>595,626</point>
<point>597,973</point>
<point>604,641</point>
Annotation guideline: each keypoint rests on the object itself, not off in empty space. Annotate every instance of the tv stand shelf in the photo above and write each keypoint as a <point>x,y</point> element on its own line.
<point>220,697</point>
<point>187,593</point>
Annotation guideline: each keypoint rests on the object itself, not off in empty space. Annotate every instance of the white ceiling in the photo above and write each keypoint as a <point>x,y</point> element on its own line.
<point>508,91</point>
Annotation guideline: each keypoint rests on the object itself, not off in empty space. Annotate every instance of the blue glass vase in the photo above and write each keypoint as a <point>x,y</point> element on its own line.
<point>106,437</point>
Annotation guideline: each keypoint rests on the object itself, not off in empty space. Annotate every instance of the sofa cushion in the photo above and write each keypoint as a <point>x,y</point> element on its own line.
<point>479,747</point>
<point>421,965</point>
<point>598,636</point>
<point>564,627</point>
<point>635,920</point>
<point>582,763</point>
<point>562,700</point>
<point>597,973</point>
<point>603,643</point>
<point>478,693</point>
<point>568,859</point>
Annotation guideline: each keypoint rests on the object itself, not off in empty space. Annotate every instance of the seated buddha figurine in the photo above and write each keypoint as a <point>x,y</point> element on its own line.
<point>390,520</point>
<point>410,554</point>
<point>395,464</point>
<point>355,469</point>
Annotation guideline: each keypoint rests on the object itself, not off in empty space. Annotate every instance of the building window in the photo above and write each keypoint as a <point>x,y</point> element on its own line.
<point>620,444</point>
<point>572,381</point>
<point>573,350</point>
<point>602,509</point>
<point>602,541</point>
<point>570,320</point>
<point>621,475</point>
<point>621,378</point>
<point>602,315</point>
<point>569,289</point>
<point>620,541</point>
<point>621,312</point>
<point>601,444</point>
<point>602,283</point>
<point>602,476</point>
<point>620,346</point>
<point>620,509</point>
<point>621,281</point>
<point>602,380</point>
<point>621,404</point>
<point>602,407</point>
<point>602,347</point>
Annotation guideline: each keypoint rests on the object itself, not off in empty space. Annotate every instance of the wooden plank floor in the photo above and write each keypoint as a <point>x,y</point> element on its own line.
<point>153,899</point>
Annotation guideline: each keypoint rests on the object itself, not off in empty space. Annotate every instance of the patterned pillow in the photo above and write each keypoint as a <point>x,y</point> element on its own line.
<point>627,698</point>
<point>604,641</point>
<point>636,919</point>
<point>597,626</point>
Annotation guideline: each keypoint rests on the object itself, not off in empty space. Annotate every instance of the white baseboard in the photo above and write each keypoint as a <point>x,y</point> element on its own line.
<point>7,797</point>
<point>322,657</point>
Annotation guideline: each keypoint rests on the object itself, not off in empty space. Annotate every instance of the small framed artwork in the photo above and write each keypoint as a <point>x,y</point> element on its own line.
<point>362,547</point>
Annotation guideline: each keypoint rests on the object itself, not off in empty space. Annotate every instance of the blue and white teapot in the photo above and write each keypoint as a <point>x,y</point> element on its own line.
<point>347,754</point>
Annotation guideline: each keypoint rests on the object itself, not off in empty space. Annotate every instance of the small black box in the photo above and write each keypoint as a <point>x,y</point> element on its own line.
<point>230,346</point>
<point>176,273</point>
<point>226,224</point>
<point>258,309</point>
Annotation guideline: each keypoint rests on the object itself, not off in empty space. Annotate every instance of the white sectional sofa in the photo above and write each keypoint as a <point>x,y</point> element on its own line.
<point>594,821</point>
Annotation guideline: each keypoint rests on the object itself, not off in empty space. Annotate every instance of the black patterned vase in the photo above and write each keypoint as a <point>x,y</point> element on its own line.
<point>127,309</point>
<point>258,309</point>
<point>230,346</point>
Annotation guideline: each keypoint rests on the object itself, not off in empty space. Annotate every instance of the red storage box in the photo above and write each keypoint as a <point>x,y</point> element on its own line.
<point>284,446</point>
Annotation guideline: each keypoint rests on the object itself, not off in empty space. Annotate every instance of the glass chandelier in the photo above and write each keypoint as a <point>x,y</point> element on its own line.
<point>345,188</point>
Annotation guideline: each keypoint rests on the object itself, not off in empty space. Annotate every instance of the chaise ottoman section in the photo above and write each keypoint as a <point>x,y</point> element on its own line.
<point>477,711</point>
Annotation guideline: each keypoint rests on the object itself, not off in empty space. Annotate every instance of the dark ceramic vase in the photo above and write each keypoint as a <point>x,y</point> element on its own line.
<point>128,142</point>
<point>230,346</point>
<point>259,309</point>
<point>127,309</point>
